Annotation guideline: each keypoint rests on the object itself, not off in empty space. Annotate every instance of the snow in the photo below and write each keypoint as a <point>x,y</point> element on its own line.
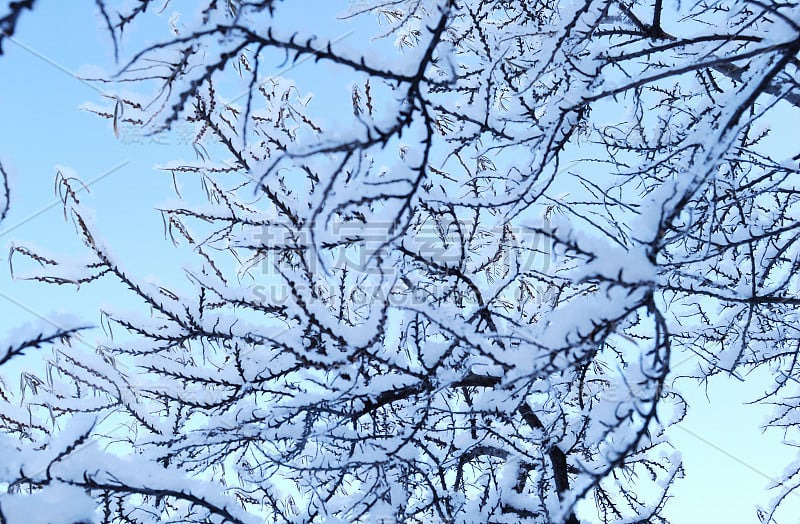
<point>49,325</point>
<point>56,503</point>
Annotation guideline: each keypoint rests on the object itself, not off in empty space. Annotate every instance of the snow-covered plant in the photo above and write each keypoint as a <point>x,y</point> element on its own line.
<point>456,295</point>
<point>50,462</point>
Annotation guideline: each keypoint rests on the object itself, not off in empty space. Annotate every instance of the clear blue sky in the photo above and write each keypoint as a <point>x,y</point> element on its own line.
<point>727,459</point>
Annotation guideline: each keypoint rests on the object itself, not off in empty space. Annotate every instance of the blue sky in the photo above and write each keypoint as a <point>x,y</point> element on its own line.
<point>727,458</point>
